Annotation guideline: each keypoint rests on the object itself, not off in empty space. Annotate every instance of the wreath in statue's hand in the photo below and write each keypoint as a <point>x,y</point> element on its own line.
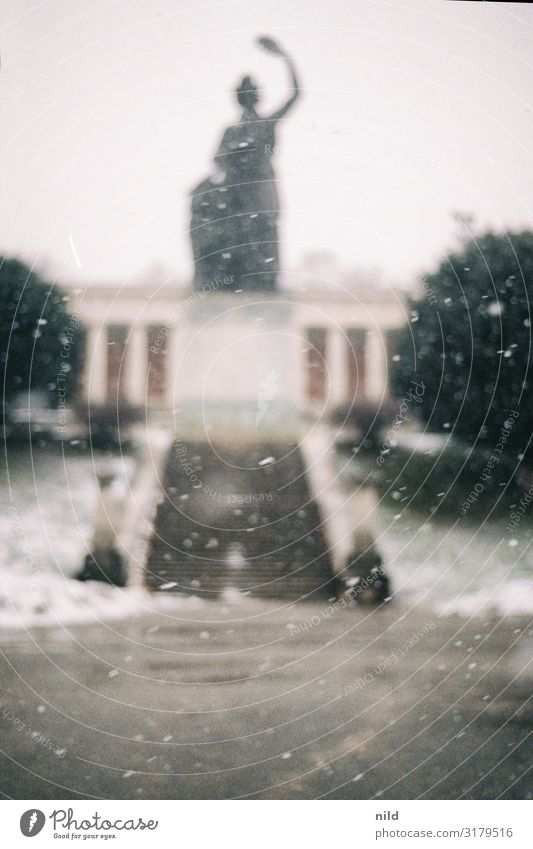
<point>270,45</point>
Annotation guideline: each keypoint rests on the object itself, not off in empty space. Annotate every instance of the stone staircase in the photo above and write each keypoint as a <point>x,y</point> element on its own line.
<point>238,517</point>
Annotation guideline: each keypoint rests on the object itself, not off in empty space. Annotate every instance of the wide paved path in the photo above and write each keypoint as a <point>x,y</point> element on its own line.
<point>247,700</point>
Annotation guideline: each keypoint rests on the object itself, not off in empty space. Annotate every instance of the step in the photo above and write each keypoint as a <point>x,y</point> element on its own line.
<point>238,517</point>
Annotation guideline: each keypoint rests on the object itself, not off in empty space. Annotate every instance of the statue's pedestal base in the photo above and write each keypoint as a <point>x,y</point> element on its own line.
<point>236,364</point>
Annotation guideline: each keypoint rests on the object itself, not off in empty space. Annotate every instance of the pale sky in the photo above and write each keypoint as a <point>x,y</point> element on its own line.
<point>112,109</point>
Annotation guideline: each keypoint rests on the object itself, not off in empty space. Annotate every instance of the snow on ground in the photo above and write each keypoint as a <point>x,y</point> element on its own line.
<point>512,599</point>
<point>47,500</point>
<point>46,520</point>
<point>27,601</point>
<point>458,567</point>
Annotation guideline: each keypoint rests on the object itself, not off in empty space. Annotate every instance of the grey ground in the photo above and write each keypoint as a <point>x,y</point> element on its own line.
<point>253,709</point>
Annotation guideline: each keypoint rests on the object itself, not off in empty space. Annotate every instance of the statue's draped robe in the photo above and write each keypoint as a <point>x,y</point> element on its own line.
<point>234,217</point>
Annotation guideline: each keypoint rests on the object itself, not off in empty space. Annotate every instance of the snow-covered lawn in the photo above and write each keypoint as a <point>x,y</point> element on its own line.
<point>47,499</point>
<point>461,568</point>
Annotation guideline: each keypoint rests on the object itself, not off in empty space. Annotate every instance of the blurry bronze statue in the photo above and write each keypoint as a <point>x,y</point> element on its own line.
<point>234,213</point>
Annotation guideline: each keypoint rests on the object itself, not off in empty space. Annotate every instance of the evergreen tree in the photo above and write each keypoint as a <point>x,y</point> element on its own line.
<point>469,342</point>
<point>40,342</point>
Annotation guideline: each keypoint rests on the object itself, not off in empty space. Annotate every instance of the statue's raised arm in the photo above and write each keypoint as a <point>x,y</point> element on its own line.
<point>273,47</point>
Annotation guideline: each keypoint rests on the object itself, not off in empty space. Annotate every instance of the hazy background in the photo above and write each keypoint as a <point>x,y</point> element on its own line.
<point>111,109</point>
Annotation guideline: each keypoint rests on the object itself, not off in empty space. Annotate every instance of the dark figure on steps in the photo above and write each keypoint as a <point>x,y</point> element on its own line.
<point>105,566</point>
<point>366,579</point>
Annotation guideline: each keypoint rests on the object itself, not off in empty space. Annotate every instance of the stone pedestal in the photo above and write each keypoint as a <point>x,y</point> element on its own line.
<point>235,364</point>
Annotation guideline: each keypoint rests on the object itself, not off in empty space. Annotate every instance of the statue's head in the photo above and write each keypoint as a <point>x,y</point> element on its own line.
<point>247,93</point>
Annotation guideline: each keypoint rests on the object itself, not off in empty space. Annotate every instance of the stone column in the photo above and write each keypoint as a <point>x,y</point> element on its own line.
<point>95,366</point>
<point>376,365</point>
<point>337,355</point>
<point>174,351</point>
<point>298,367</point>
<point>136,366</point>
